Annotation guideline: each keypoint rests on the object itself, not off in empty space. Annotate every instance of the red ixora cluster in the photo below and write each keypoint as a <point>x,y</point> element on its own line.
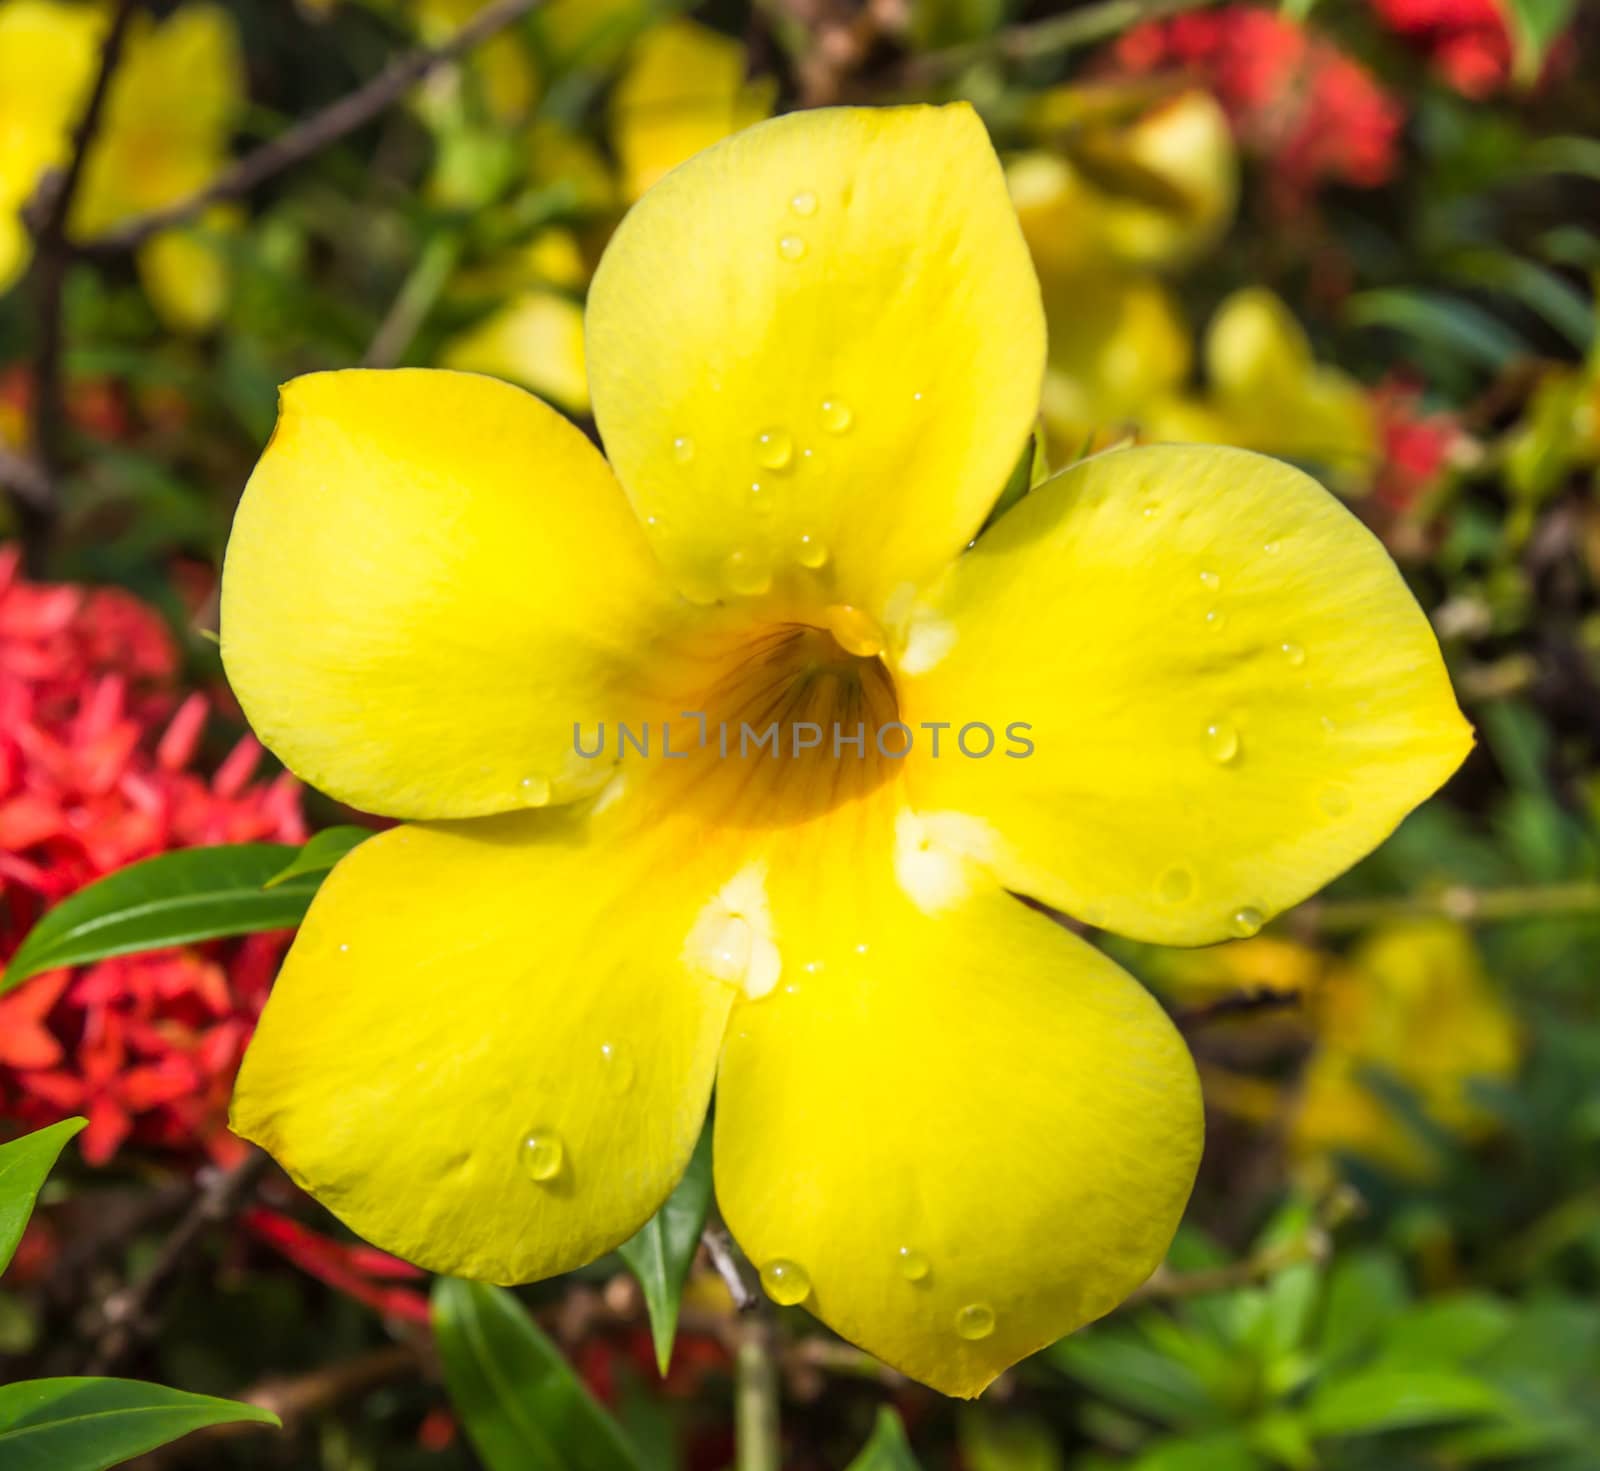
<point>1293,96</point>
<point>97,750</point>
<point>1467,41</point>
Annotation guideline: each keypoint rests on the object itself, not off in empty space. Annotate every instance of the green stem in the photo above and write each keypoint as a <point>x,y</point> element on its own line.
<point>415,299</point>
<point>1458,902</point>
<point>756,1398</point>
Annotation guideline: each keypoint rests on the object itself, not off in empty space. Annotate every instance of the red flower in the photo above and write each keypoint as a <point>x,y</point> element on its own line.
<point>97,753</point>
<point>1468,41</point>
<point>1292,96</point>
<point>1417,446</point>
<point>360,1272</point>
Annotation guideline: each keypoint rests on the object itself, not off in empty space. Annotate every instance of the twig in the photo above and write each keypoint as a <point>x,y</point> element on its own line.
<point>322,129</point>
<point>1313,1246</point>
<point>126,1312</point>
<point>719,1247</point>
<point>1458,902</point>
<point>415,299</point>
<point>1081,27</point>
<point>755,1405</point>
<point>26,480</point>
<point>1239,1003</point>
<point>46,216</point>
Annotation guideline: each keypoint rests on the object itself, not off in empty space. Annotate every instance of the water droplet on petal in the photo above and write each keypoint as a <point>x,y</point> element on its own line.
<point>683,449</point>
<point>344,949</point>
<point>542,1155</point>
<point>1335,801</point>
<point>836,416</point>
<point>1211,580</point>
<point>745,576</point>
<point>619,1069</point>
<point>975,1321</point>
<point>791,247</point>
<point>810,552</point>
<point>1246,922</point>
<point>1270,548</point>
<point>729,951</point>
<point>774,449</point>
<point>856,632</point>
<point>1175,885</point>
<point>1294,654</point>
<point>914,1266</point>
<point>1216,620</point>
<point>1221,742</point>
<point>785,1282</point>
<point>1150,510</point>
<point>535,791</point>
<point>804,203</point>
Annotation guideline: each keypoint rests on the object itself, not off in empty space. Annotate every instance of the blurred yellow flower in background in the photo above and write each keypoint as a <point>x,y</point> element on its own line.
<point>1266,391</point>
<point>1412,1003</point>
<point>169,117</point>
<point>535,339</point>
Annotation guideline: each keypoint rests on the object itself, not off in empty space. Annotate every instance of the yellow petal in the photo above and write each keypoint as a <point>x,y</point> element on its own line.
<point>535,339</point>
<point>959,1141</point>
<point>684,89</point>
<point>1231,694</point>
<point>826,328</point>
<point>481,1054</point>
<point>431,577</point>
<point>185,272</point>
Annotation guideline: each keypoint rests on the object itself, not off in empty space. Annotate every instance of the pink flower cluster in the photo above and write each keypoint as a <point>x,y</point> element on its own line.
<point>98,769</point>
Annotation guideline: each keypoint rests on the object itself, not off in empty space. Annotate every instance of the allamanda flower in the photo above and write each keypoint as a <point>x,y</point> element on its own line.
<point>950,1127</point>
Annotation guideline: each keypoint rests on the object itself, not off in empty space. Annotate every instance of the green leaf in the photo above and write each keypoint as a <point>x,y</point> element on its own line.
<point>24,1164</point>
<point>1010,1442</point>
<point>1391,1398</point>
<point>1029,470</point>
<point>321,852</point>
<point>1366,1291</point>
<point>89,1424</point>
<point>1447,322</point>
<point>519,1401</point>
<point>1535,25</point>
<point>888,1449</point>
<point>660,1254</point>
<point>174,899</point>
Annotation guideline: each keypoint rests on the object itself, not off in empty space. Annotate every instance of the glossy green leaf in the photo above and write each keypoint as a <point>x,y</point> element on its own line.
<point>659,1256</point>
<point>89,1424</point>
<point>519,1401</point>
<point>320,853</point>
<point>24,1164</point>
<point>1008,1442</point>
<point>1535,25</point>
<point>1392,1398</point>
<point>1446,322</point>
<point>1221,1450</point>
<point>1031,467</point>
<point>175,899</point>
<point>888,1449</point>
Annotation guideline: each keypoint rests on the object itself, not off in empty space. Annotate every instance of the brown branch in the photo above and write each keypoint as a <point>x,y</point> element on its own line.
<point>1314,1246</point>
<point>46,215</point>
<point>24,477</point>
<point>126,1313</point>
<point>1459,902</point>
<point>321,130</point>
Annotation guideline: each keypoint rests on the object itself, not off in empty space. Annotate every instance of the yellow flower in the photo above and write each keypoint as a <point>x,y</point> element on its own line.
<point>535,339</point>
<point>684,89</point>
<point>1129,189</point>
<point>1267,392</point>
<point>164,134</point>
<point>1413,1003</point>
<point>950,1127</point>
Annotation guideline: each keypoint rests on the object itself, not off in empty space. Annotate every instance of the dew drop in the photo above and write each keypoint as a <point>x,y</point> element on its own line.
<point>810,552</point>
<point>855,631</point>
<point>729,951</point>
<point>804,203</point>
<point>344,949</point>
<point>1335,801</point>
<point>745,576</point>
<point>914,1265</point>
<point>683,449</point>
<point>1221,742</point>
<point>975,1321</point>
<point>775,449</point>
<point>1210,580</point>
<point>786,1283</point>
<point>791,247</point>
<point>761,499</point>
<point>535,791</point>
<point>1216,620</point>
<point>618,1068</point>
<point>1270,548</point>
<point>1150,511</point>
<point>542,1155</point>
<point>1294,654</point>
<point>1175,885</point>
<point>1245,922</point>
<point>836,416</point>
